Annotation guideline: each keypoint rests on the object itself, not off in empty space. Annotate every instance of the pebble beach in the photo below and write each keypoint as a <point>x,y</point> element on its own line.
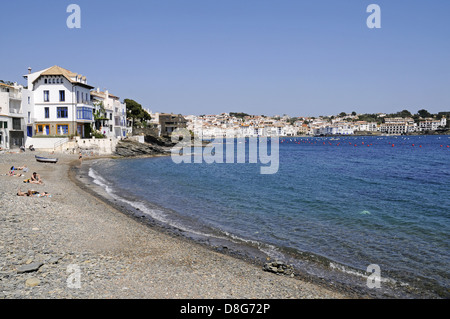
<point>46,241</point>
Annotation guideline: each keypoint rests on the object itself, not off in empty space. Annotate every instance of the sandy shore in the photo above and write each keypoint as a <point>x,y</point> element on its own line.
<point>116,255</point>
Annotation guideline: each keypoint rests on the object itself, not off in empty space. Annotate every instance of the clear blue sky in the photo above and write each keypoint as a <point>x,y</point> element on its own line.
<point>268,57</point>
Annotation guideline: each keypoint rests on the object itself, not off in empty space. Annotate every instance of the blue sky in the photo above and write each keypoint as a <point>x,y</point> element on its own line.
<point>301,58</point>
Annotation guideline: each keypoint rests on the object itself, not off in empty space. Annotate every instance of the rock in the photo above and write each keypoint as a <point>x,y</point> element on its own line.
<point>131,148</point>
<point>32,282</point>
<point>279,268</point>
<point>29,268</point>
<point>53,260</point>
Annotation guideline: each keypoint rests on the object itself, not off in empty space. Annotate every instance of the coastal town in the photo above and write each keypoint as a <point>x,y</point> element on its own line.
<point>58,106</point>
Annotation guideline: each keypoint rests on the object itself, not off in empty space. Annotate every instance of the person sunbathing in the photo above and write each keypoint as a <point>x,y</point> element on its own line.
<point>36,179</point>
<point>32,193</point>
<point>29,193</point>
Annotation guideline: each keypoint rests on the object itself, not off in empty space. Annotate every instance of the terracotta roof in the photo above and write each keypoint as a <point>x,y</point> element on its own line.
<point>3,84</point>
<point>57,70</point>
<point>103,94</point>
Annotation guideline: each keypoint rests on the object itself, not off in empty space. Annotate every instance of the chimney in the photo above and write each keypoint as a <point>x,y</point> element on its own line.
<point>29,70</point>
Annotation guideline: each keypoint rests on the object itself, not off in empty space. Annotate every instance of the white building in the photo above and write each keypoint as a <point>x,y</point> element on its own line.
<point>112,114</point>
<point>12,126</point>
<point>398,126</point>
<point>432,124</point>
<point>366,126</point>
<point>58,103</point>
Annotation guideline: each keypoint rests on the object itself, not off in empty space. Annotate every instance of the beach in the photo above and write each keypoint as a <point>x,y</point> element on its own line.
<point>75,245</point>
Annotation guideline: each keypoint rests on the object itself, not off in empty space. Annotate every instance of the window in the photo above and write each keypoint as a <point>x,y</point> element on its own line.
<point>46,96</point>
<point>62,112</point>
<point>78,97</point>
<point>43,128</point>
<point>47,112</point>
<point>84,113</point>
<point>28,100</point>
<point>62,96</point>
<point>54,81</point>
<point>62,129</point>
<point>17,124</point>
<point>45,81</point>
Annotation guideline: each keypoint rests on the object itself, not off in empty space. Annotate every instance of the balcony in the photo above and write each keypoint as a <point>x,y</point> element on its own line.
<point>17,125</point>
<point>15,110</point>
<point>15,95</point>
<point>89,103</point>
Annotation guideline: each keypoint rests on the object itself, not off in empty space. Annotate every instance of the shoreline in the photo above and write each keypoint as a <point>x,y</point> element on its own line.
<point>231,249</point>
<point>118,256</point>
<point>314,269</point>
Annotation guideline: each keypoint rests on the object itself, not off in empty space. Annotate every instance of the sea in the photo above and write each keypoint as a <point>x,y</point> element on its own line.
<point>345,211</point>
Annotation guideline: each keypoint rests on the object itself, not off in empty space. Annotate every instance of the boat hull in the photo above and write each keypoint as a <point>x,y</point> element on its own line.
<point>46,160</point>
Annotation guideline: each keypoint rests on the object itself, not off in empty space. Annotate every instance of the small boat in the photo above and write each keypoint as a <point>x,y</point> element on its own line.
<point>46,160</point>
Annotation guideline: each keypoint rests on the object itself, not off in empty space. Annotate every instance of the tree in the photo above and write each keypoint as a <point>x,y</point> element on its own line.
<point>424,113</point>
<point>136,112</point>
<point>342,114</point>
<point>405,113</point>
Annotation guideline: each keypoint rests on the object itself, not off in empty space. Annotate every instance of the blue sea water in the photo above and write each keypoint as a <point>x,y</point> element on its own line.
<point>354,201</point>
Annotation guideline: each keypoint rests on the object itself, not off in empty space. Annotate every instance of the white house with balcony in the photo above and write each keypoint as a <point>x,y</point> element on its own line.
<point>12,126</point>
<point>430,124</point>
<point>58,103</point>
<point>111,114</point>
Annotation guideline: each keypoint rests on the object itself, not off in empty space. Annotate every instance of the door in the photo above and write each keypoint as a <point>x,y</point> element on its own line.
<point>29,131</point>
<point>47,130</point>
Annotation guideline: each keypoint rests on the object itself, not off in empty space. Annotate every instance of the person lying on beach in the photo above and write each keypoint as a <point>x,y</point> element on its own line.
<point>12,172</point>
<point>32,193</point>
<point>36,179</point>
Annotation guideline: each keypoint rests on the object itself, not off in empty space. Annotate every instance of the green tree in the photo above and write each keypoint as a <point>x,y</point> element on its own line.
<point>404,113</point>
<point>136,113</point>
<point>424,113</point>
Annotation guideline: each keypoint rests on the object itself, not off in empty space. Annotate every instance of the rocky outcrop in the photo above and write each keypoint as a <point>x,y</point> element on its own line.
<point>152,146</point>
<point>160,141</point>
<point>279,268</point>
<point>130,149</point>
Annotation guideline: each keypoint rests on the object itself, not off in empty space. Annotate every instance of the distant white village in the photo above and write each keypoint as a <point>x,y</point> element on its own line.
<point>228,124</point>
<point>58,106</point>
